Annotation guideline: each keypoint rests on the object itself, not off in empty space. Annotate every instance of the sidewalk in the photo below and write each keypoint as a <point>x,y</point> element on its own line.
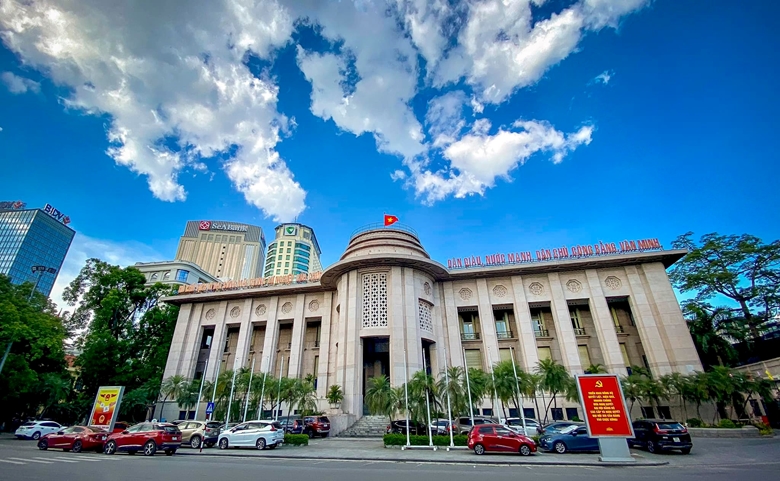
<point>372,449</point>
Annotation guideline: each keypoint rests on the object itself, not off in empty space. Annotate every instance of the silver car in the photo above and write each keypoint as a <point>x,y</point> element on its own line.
<point>253,434</point>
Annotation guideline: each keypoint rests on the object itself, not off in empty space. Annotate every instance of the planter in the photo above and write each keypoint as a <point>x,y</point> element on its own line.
<point>743,432</point>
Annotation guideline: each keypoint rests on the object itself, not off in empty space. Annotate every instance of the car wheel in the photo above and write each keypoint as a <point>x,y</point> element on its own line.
<point>36,435</point>
<point>43,445</point>
<point>170,452</point>
<point>110,447</point>
<point>559,447</point>
<point>310,434</point>
<point>479,449</point>
<point>77,446</point>
<point>260,444</point>
<point>223,443</point>
<point>651,448</point>
<point>150,448</point>
<point>195,442</point>
<point>686,450</point>
<point>525,450</point>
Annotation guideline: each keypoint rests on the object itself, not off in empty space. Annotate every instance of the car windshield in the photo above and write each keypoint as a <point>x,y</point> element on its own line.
<point>323,419</point>
<point>670,426</point>
<point>168,429</point>
<point>565,429</point>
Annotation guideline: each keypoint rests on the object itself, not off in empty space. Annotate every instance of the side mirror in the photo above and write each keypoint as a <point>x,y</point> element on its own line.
<point>573,433</point>
<point>125,432</point>
<point>60,432</point>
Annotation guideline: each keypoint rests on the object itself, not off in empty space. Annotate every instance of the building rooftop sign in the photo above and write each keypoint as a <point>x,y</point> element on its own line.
<point>213,225</point>
<point>248,283</point>
<point>573,252</point>
<point>12,205</point>
<point>49,209</point>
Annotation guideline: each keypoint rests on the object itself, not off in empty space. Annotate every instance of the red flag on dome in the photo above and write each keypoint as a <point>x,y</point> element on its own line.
<point>390,220</point>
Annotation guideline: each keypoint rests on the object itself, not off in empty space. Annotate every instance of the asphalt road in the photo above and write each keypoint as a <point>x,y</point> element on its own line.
<point>21,460</point>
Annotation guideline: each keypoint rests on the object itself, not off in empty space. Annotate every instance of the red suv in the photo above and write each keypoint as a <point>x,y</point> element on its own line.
<point>149,437</point>
<point>495,437</point>
<point>316,426</point>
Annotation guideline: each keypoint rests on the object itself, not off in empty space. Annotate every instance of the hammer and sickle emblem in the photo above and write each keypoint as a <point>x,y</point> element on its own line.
<point>599,384</point>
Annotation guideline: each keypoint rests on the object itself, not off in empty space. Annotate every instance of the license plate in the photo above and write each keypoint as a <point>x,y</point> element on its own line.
<point>676,440</point>
<point>175,438</point>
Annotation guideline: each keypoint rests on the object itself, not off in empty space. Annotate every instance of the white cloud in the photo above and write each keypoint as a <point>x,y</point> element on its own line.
<point>604,77</point>
<point>169,70</point>
<point>445,117</point>
<point>19,85</point>
<point>84,247</point>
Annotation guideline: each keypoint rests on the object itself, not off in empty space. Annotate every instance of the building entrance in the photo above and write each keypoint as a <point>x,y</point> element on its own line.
<point>376,361</point>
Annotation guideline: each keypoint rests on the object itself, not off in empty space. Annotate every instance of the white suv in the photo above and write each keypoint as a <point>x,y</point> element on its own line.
<point>253,434</point>
<point>36,429</point>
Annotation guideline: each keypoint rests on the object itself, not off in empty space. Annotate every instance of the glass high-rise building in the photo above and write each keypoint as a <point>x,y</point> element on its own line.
<point>295,250</point>
<point>33,237</point>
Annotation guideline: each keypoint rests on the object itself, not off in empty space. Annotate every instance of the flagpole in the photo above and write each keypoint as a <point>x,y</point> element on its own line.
<point>427,401</point>
<point>200,391</point>
<point>248,391</point>
<point>230,399</point>
<point>493,379</point>
<point>406,397</point>
<point>519,396</point>
<point>279,392</point>
<point>262,393</point>
<point>468,388</point>
<point>214,392</point>
<point>449,408</point>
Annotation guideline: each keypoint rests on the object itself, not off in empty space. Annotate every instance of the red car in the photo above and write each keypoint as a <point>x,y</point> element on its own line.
<point>76,439</point>
<point>146,437</point>
<point>498,438</point>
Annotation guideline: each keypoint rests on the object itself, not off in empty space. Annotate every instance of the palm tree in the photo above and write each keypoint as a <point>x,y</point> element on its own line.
<point>54,388</point>
<point>420,385</point>
<point>652,391</point>
<point>380,397</point>
<point>677,384</point>
<point>555,378</point>
<point>532,388</point>
<point>456,388</point>
<point>596,369</point>
<point>697,391</point>
<point>506,384</point>
<point>188,397</point>
<point>480,384</point>
<point>707,326</point>
<point>720,386</point>
<point>172,387</point>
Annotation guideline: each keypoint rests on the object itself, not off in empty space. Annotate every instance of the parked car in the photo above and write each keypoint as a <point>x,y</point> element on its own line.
<point>572,438</point>
<point>498,438</point>
<point>464,423</point>
<point>257,434</point>
<point>558,426</point>
<point>75,438</point>
<point>658,435</point>
<point>194,433</point>
<point>120,426</point>
<point>516,424</point>
<point>316,426</point>
<point>399,427</point>
<point>36,429</point>
<point>441,427</point>
<point>149,437</point>
<point>287,423</point>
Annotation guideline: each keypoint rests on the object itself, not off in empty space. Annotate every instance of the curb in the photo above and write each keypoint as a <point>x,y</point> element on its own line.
<point>435,461</point>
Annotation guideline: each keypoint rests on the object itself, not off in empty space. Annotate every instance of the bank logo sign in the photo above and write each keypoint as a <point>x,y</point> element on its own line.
<point>291,230</point>
<point>49,209</point>
<point>211,225</point>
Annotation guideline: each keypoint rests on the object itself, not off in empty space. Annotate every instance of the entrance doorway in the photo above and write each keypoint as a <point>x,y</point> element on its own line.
<point>376,361</point>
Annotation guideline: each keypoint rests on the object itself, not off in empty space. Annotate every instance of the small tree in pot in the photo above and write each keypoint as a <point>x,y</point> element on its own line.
<point>335,395</point>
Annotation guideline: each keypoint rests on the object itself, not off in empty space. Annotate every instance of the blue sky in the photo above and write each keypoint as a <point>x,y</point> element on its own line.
<point>448,115</point>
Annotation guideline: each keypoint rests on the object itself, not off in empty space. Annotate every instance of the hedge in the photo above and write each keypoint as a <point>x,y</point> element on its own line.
<point>296,439</point>
<point>417,440</point>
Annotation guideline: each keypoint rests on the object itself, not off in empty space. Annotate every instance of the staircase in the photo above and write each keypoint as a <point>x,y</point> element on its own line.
<point>367,427</point>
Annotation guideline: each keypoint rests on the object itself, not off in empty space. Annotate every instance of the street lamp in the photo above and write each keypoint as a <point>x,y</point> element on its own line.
<point>40,271</point>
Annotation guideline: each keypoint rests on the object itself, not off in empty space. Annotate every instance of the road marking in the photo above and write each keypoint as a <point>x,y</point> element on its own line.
<point>32,460</point>
<point>93,460</point>
<point>62,460</point>
<point>10,462</point>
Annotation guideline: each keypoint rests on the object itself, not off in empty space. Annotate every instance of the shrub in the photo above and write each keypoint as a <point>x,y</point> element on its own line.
<point>576,419</point>
<point>694,423</point>
<point>296,439</point>
<point>335,394</point>
<point>763,429</point>
<point>726,423</point>
<point>419,440</point>
<point>536,439</point>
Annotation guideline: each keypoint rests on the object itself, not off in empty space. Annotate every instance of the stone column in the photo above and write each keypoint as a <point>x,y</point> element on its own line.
<point>411,324</point>
<point>181,335</point>
<point>244,336</point>
<point>487,324</point>
<point>353,372</point>
<point>525,328</point>
<point>395,304</point>
<point>298,332</point>
<point>322,374</point>
<point>647,324</point>
<point>563,328</point>
<point>218,343</point>
<point>605,326</point>
<point>452,326</point>
<point>271,339</point>
<point>439,334</point>
<point>341,338</point>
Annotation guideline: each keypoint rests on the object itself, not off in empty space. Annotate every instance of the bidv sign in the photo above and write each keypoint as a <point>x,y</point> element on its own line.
<point>49,209</point>
<point>212,225</point>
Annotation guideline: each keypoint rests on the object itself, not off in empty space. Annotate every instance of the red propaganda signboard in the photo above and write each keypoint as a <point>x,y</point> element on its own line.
<point>605,408</point>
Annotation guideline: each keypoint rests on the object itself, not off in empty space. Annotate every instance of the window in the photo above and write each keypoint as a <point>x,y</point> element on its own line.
<point>473,358</point>
<point>664,412</point>
<point>529,413</point>
<point>576,321</point>
<point>584,356</point>
<point>289,250</point>
<point>615,319</point>
<point>316,369</point>
<point>648,412</point>
<point>624,352</point>
<point>544,353</point>
<point>487,412</point>
<point>181,275</point>
<point>167,275</point>
<point>537,317</point>
<point>286,264</point>
<point>485,430</point>
<point>287,258</point>
<point>557,414</point>
<point>469,322</point>
<point>505,354</point>
<point>503,432</point>
<point>154,276</point>
<point>571,413</point>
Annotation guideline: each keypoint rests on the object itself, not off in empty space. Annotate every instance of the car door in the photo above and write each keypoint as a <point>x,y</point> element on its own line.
<point>506,440</point>
<point>240,435</point>
<point>580,440</point>
<point>487,433</point>
<point>640,432</point>
<point>49,427</point>
<point>187,430</point>
<point>59,439</point>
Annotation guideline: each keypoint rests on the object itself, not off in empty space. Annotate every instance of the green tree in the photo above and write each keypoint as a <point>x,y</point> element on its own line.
<point>335,395</point>
<point>555,379</point>
<point>480,386</point>
<point>596,369</point>
<point>741,268</point>
<point>420,385</point>
<point>675,384</point>
<point>188,397</point>
<point>173,388</point>
<point>709,327</point>
<point>380,397</point>
<point>456,388</point>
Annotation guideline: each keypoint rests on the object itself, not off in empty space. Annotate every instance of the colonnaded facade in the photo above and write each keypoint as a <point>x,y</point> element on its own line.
<point>385,304</point>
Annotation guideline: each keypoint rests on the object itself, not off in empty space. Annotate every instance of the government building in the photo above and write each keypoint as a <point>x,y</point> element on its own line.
<point>386,305</point>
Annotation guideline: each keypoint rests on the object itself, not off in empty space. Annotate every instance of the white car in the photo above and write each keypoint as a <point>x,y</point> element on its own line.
<point>36,429</point>
<point>253,434</point>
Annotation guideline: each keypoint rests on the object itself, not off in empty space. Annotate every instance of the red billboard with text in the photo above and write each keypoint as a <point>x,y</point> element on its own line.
<point>605,408</point>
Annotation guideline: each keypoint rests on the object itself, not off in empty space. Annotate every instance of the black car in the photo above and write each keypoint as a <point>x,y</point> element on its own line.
<point>288,422</point>
<point>399,427</point>
<point>658,435</point>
